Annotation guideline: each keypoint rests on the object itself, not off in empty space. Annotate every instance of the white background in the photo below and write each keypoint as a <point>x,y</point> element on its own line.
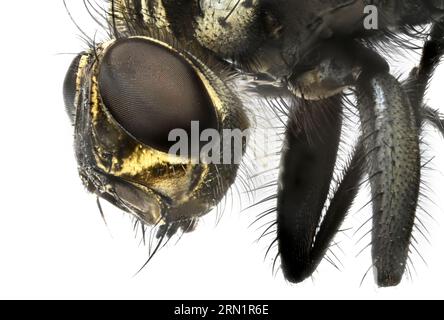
<point>53,243</point>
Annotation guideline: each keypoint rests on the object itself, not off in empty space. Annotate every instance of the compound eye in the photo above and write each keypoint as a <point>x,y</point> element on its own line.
<point>70,87</point>
<point>150,90</point>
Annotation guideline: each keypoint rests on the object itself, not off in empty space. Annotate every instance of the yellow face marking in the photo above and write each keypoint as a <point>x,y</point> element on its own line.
<point>95,109</point>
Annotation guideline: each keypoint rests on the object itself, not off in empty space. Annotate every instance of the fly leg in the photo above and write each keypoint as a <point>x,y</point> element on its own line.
<point>389,125</point>
<point>308,160</point>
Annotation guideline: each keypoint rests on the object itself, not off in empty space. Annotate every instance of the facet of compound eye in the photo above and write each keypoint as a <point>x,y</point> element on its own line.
<point>151,90</point>
<point>70,86</point>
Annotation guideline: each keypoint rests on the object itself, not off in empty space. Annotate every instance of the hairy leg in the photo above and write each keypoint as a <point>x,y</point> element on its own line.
<point>393,163</point>
<point>308,160</point>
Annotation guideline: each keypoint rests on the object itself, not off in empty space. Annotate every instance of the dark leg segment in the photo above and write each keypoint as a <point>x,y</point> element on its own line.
<point>308,160</point>
<point>392,147</point>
